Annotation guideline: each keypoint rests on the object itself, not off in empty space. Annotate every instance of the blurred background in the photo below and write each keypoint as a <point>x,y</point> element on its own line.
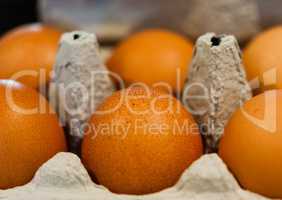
<point>17,12</point>
<point>112,20</point>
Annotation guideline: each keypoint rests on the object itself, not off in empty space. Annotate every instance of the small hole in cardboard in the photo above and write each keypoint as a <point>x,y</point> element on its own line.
<point>215,41</point>
<point>76,36</point>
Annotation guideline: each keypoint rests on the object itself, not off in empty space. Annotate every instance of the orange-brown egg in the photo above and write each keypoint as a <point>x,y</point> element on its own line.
<point>27,53</point>
<point>151,57</point>
<point>252,144</point>
<point>263,61</point>
<point>30,133</point>
<point>140,141</point>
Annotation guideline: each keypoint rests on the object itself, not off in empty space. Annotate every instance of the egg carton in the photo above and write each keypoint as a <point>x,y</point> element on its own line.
<point>64,177</point>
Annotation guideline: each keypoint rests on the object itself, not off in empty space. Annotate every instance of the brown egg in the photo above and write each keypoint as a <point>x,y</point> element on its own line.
<point>27,53</point>
<point>134,143</point>
<point>151,57</point>
<point>252,144</point>
<point>263,61</point>
<point>30,133</point>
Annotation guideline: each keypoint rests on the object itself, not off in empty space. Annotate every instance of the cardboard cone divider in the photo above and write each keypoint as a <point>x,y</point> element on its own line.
<point>218,81</point>
<point>80,83</point>
<point>64,177</point>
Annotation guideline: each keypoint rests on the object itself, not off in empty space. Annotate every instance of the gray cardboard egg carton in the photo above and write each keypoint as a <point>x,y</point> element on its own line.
<point>64,178</point>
